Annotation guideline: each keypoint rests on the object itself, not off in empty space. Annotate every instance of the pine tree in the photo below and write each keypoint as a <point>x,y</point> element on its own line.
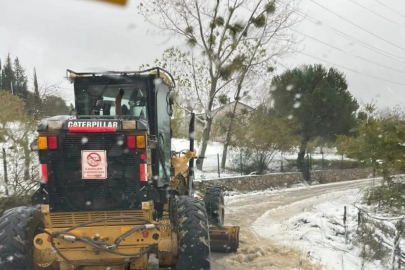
<point>37,102</point>
<point>0,76</point>
<point>7,74</point>
<point>20,85</point>
<point>36,88</point>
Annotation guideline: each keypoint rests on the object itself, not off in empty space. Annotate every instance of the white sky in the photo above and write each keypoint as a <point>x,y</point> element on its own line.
<point>84,35</point>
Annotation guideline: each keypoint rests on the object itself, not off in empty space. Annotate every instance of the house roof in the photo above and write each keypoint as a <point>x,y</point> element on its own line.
<point>227,105</point>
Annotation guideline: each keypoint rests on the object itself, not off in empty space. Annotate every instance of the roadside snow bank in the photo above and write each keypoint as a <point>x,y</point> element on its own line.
<point>316,227</point>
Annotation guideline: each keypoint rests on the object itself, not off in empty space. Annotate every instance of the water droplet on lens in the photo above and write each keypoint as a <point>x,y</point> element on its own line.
<point>157,81</point>
<point>289,87</point>
<point>120,142</point>
<point>84,140</point>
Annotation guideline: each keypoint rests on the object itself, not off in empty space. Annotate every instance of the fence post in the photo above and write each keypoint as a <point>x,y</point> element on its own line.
<point>5,170</point>
<point>344,223</point>
<point>241,163</point>
<point>359,218</point>
<point>323,162</point>
<point>219,173</point>
<point>282,167</point>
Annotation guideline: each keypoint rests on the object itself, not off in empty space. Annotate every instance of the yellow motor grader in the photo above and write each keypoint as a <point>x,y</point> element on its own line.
<point>113,192</point>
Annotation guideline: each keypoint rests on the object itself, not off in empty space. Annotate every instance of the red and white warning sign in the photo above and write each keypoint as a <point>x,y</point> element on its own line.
<point>94,164</point>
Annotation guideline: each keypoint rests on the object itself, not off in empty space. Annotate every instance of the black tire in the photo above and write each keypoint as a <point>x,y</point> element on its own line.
<point>18,227</point>
<point>215,205</point>
<point>194,237</point>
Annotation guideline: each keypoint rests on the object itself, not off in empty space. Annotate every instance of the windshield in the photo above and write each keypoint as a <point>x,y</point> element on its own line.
<point>107,99</point>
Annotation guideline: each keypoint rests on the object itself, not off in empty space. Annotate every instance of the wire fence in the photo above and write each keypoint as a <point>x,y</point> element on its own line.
<point>380,237</point>
<point>241,163</point>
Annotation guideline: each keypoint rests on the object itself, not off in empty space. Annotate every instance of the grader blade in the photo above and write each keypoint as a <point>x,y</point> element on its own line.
<point>224,238</point>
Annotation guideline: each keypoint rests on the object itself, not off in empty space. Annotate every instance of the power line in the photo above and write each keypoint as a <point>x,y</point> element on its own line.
<point>320,41</point>
<point>375,13</point>
<point>352,70</point>
<point>350,38</point>
<point>358,26</point>
<point>368,46</point>
<point>336,48</point>
<point>393,10</point>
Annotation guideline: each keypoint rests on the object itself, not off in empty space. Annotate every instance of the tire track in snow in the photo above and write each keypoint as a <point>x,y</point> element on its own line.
<point>256,252</point>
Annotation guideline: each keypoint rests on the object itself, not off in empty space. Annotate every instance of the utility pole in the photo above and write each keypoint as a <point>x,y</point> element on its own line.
<point>5,170</point>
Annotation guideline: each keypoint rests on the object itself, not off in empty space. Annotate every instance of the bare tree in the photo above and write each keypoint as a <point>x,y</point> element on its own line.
<point>225,39</point>
<point>17,130</point>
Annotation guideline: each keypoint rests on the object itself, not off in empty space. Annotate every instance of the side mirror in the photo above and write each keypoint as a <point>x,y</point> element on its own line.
<point>34,145</point>
<point>171,99</point>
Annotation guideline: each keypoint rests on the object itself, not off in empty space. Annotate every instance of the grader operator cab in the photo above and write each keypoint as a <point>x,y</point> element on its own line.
<point>112,191</point>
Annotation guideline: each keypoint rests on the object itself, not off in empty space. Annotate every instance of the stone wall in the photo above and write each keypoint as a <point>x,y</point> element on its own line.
<point>330,176</point>
<point>263,182</point>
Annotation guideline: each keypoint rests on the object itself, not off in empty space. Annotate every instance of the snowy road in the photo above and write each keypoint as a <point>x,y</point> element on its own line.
<point>261,253</point>
<point>256,252</point>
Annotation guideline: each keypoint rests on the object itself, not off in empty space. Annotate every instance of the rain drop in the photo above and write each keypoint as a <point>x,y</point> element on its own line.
<point>289,87</point>
<point>297,104</point>
<point>120,141</point>
<point>192,135</point>
<point>273,88</point>
<point>298,96</point>
<point>290,117</point>
<point>302,68</point>
<point>88,203</point>
<point>157,81</point>
<point>84,140</point>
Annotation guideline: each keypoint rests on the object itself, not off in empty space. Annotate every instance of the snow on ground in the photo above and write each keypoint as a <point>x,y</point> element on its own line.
<point>315,226</point>
<point>210,161</point>
<point>210,169</point>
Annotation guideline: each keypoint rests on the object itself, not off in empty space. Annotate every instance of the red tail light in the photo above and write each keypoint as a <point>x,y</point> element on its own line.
<point>131,142</point>
<point>143,172</point>
<point>52,143</point>
<point>44,172</point>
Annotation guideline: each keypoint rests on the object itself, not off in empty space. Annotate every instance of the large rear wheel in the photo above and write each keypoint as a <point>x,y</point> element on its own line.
<point>194,238</point>
<point>18,227</point>
<point>214,204</point>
